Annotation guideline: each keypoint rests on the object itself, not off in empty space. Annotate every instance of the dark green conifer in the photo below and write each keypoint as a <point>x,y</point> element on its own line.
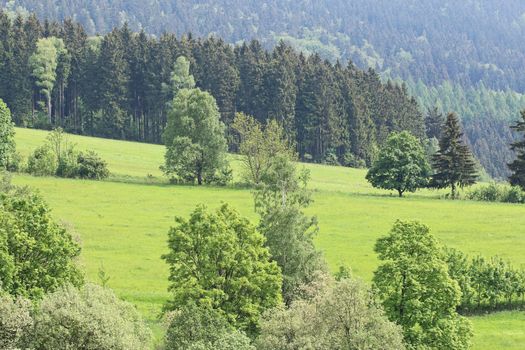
<point>518,166</point>
<point>454,164</point>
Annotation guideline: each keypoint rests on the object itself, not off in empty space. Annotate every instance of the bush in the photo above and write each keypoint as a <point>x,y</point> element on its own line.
<point>497,193</point>
<point>42,162</point>
<point>15,163</point>
<point>89,318</point>
<point>15,322</point>
<point>91,166</point>
<point>68,166</point>
<point>202,328</point>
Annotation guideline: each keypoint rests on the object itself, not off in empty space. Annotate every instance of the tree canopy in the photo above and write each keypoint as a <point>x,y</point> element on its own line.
<point>218,259</point>
<point>401,165</point>
<point>416,290</point>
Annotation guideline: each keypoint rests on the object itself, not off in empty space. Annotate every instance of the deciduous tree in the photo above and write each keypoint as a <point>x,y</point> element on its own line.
<point>401,165</point>
<point>416,290</point>
<point>219,260</point>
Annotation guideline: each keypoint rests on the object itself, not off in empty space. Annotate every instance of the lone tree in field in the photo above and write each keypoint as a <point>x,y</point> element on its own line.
<point>219,260</point>
<point>454,163</point>
<point>518,166</point>
<point>401,165</point>
<point>194,136</point>
<point>416,290</point>
<point>7,135</point>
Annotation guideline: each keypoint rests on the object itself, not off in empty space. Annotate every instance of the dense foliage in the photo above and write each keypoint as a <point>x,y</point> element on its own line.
<point>37,254</point>
<point>453,164</point>
<point>339,315</point>
<point>203,328</point>
<point>120,86</point>
<point>7,135</point>
<point>194,135</point>
<point>486,284</point>
<point>417,291</point>
<point>88,318</point>
<point>218,260</point>
<point>518,165</point>
<point>401,165</point>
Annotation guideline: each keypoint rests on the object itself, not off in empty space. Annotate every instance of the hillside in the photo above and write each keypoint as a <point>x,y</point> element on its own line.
<point>123,223</point>
<point>459,56</point>
<point>466,42</point>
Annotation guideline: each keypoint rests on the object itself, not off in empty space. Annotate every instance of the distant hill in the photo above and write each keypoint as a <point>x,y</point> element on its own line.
<point>433,40</point>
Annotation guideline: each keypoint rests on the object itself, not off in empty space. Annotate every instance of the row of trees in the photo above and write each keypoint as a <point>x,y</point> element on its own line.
<point>119,86</point>
<point>485,283</point>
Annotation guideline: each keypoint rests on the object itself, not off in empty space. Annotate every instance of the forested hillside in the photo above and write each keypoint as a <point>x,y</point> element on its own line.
<point>463,41</point>
<point>464,56</point>
<point>119,86</point>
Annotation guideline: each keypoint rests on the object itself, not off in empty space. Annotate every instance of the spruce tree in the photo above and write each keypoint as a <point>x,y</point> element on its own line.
<point>454,163</point>
<point>518,166</point>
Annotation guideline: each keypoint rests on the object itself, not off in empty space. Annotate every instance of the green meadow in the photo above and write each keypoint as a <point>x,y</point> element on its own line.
<point>122,223</point>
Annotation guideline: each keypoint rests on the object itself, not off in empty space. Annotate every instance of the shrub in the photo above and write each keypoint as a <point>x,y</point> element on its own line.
<point>68,166</point>
<point>15,163</point>
<point>203,328</point>
<point>42,162</point>
<point>15,322</point>
<point>91,166</point>
<point>89,318</point>
<point>497,193</point>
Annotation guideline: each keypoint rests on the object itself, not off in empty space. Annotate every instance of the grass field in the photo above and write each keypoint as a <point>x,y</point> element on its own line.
<point>123,223</point>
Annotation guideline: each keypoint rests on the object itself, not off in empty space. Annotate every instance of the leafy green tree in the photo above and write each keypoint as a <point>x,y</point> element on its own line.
<point>44,64</point>
<point>7,135</point>
<point>343,315</point>
<point>454,164</point>
<point>401,165</point>
<point>259,145</point>
<point>219,260</point>
<point>194,138</point>
<point>89,318</point>
<point>181,77</point>
<point>38,254</point>
<point>416,290</point>
<point>280,200</point>
<point>518,165</point>
<point>194,327</point>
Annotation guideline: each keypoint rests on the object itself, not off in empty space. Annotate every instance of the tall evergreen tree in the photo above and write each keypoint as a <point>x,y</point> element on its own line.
<point>518,165</point>
<point>454,164</point>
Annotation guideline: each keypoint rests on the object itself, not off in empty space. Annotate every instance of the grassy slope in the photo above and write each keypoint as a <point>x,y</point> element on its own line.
<point>123,223</point>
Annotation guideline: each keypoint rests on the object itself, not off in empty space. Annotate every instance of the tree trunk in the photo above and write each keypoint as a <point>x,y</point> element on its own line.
<point>49,108</point>
<point>400,192</point>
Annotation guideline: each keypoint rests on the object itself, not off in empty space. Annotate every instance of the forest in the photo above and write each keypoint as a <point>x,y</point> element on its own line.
<point>118,86</point>
<point>463,57</point>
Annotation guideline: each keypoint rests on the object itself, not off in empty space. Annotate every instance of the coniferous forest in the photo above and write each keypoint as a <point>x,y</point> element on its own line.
<point>119,85</point>
<point>459,56</point>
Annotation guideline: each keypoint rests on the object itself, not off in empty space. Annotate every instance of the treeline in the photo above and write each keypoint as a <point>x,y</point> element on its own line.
<point>118,86</point>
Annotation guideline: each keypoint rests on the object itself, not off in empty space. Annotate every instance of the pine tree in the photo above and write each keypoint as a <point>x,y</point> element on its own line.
<point>518,166</point>
<point>454,163</point>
